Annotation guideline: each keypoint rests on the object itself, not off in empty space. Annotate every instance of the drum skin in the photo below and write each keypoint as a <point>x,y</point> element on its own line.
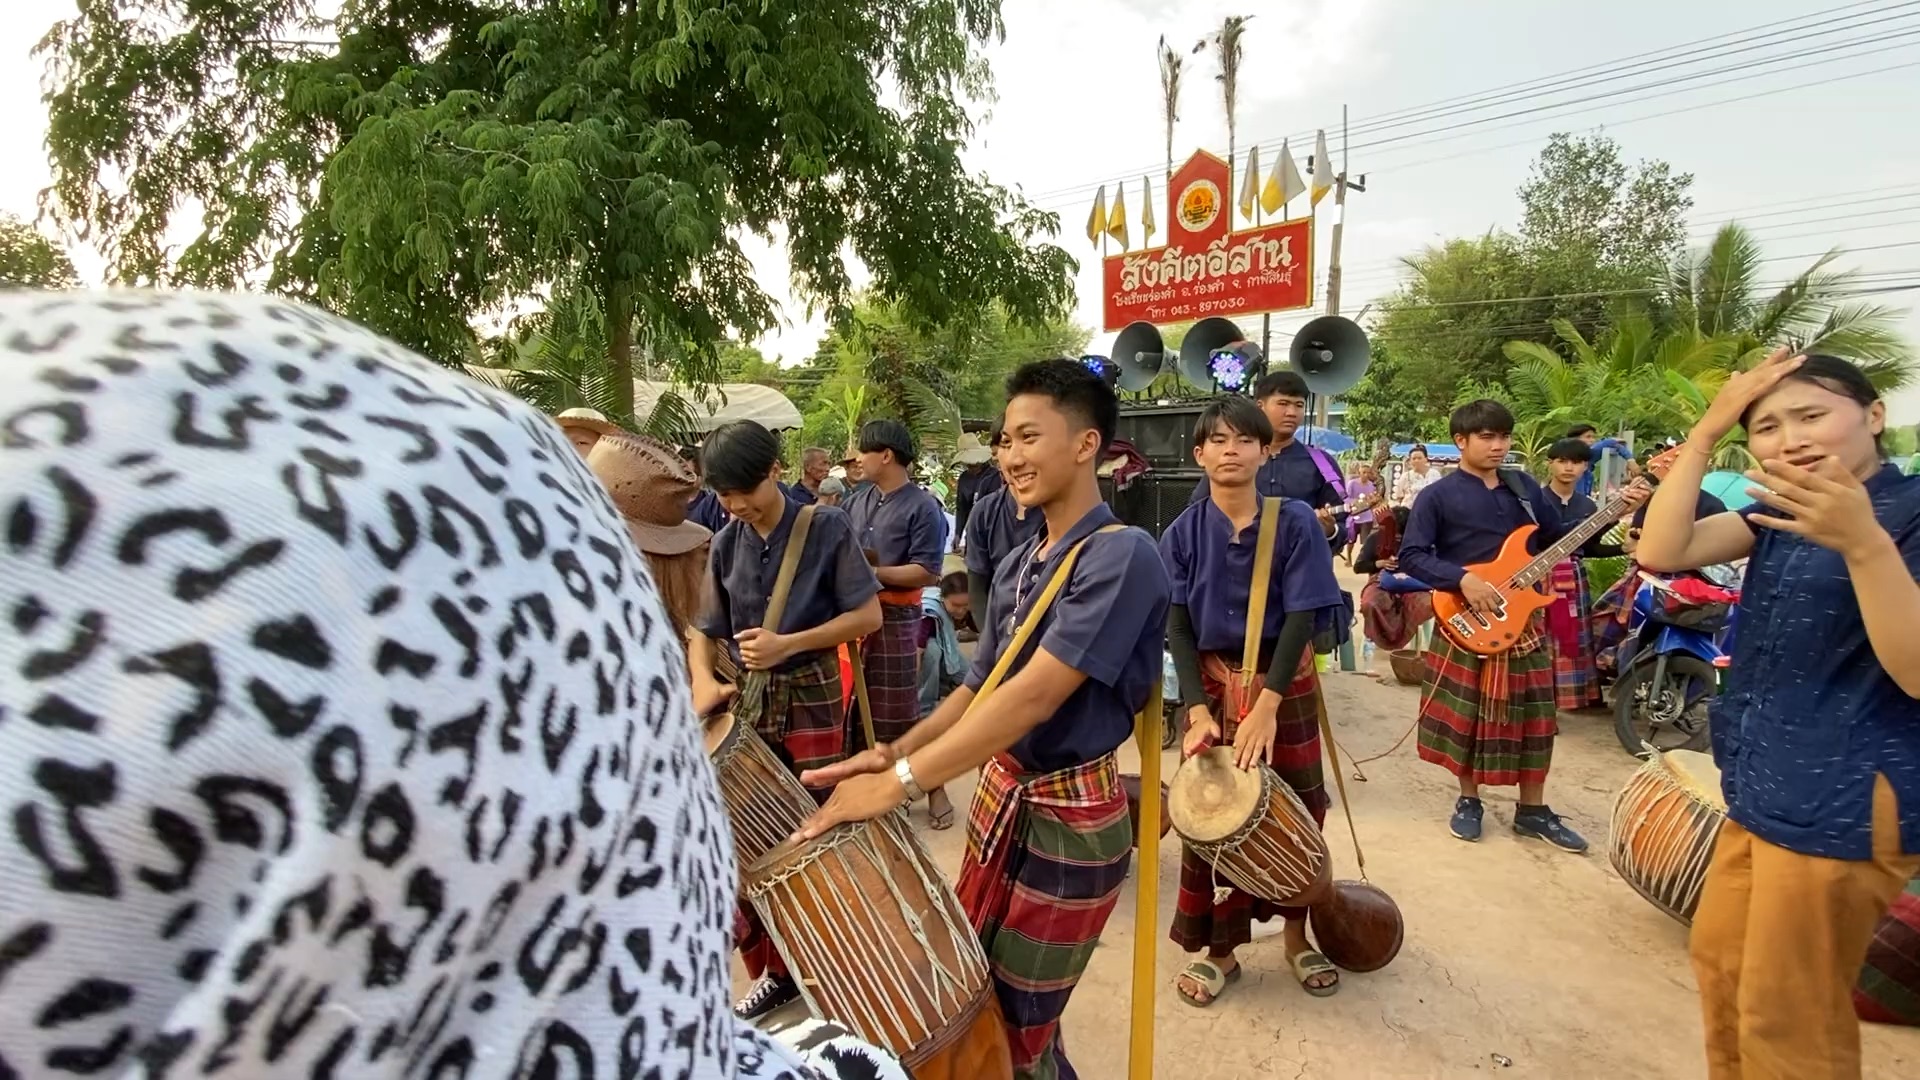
<point>1358,926</point>
<point>1251,827</point>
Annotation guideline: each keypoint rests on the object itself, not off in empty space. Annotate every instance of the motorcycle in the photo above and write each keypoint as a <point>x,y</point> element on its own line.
<point>1679,635</point>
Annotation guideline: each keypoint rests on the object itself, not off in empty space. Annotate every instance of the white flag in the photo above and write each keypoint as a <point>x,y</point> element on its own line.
<point>1283,182</point>
<point>1322,167</point>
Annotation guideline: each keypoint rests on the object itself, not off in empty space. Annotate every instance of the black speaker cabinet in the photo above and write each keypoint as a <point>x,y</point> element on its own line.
<point>1162,433</point>
<point>1154,498</point>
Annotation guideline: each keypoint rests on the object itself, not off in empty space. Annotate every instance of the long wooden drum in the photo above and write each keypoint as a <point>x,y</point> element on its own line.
<point>1665,823</point>
<point>1251,827</point>
<point>765,801</point>
<point>874,936</point>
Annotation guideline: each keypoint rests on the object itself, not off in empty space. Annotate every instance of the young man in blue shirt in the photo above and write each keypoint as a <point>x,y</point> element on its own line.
<point>1048,836</point>
<point>1489,721</point>
<point>1818,733</point>
<point>1210,552</point>
<point>1292,470</point>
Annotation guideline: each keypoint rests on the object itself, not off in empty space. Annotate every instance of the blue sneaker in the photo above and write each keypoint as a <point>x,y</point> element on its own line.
<point>1541,823</point>
<point>1466,818</point>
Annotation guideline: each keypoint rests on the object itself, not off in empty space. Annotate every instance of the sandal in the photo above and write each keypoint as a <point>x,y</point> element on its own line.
<point>942,821</point>
<point>1308,964</point>
<point>1211,979</point>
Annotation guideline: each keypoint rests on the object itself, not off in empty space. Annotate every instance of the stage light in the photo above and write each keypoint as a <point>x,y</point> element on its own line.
<point>1235,367</point>
<point>1102,366</point>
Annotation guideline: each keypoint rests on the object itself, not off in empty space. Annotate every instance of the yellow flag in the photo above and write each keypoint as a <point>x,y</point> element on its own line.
<point>1117,216</point>
<point>1322,167</point>
<point>1250,184</point>
<point>1283,183</point>
<point>1097,220</point>
<point>1146,211</point>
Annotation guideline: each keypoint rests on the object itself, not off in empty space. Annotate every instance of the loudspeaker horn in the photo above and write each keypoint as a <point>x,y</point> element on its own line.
<point>1330,353</point>
<point>1206,337</point>
<point>1141,355</point>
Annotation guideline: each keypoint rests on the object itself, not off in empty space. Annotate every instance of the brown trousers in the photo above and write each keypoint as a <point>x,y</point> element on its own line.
<point>1777,945</point>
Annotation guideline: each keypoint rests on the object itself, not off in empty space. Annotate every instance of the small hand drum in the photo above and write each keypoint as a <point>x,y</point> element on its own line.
<point>1251,827</point>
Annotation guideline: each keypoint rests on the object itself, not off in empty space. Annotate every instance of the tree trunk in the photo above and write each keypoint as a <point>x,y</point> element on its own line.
<point>620,347</point>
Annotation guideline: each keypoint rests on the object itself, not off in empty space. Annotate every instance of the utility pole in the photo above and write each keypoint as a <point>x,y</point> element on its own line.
<point>1340,187</point>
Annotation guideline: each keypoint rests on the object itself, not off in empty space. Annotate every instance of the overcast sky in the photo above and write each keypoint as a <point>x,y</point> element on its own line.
<point>1778,142</point>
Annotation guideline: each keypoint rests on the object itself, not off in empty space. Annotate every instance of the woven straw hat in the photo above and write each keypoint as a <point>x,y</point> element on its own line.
<point>651,486</point>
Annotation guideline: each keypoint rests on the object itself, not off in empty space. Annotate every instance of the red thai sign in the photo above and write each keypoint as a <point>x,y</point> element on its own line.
<point>1205,268</point>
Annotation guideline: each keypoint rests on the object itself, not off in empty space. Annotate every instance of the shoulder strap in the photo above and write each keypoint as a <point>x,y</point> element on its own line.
<point>1511,478</point>
<point>789,564</point>
<point>1329,470</point>
<point>1024,631</point>
<point>1262,579</point>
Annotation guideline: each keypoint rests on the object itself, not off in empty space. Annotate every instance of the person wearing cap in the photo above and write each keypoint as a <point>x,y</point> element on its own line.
<point>651,485</point>
<point>978,477</point>
<point>833,491</point>
<point>902,529</point>
<point>792,697</point>
<point>584,427</point>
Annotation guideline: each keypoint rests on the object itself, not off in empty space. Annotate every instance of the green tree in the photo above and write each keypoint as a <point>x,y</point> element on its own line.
<point>29,260</point>
<point>1720,291</point>
<point>417,163</point>
<point>1594,241</point>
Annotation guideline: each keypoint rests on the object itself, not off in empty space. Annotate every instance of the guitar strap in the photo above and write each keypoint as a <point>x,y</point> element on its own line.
<point>1511,478</point>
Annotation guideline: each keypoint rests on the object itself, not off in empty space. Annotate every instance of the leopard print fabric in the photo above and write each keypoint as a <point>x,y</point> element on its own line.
<point>341,730</point>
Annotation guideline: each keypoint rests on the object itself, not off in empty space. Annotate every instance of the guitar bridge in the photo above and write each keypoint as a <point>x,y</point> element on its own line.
<point>1461,626</point>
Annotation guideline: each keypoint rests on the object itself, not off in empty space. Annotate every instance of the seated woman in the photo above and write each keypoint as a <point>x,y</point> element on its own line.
<point>1390,618</point>
<point>944,609</point>
<point>343,734</point>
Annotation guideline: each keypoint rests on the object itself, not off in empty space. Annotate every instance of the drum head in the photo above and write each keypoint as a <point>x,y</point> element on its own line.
<point>1210,798</point>
<point>717,731</point>
<point>794,853</point>
<point>1697,773</point>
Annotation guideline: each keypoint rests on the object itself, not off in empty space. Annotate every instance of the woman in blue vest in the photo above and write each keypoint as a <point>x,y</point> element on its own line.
<point>1818,735</point>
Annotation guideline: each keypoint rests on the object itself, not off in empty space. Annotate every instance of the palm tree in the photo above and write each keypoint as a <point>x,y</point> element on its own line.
<point>1719,292</point>
<point>1227,47</point>
<point>1170,69</point>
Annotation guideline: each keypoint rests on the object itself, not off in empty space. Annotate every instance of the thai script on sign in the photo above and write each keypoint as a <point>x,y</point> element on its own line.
<point>1172,266</point>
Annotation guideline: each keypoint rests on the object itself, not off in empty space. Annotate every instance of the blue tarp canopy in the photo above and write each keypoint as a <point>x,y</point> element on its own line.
<point>1436,451</point>
<point>1326,439</point>
<point>1728,487</point>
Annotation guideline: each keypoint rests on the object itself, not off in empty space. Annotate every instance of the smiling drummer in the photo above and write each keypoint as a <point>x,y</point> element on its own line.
<point>1209,551</point>
<point>833,599</point>
<point>1048,836</point>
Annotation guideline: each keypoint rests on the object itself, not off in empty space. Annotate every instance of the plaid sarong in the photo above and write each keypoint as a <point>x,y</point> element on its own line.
<point>797,712</point>
<point>1576,683</point>
<point>891,658</point>
<point>1490,719</point>
<point>1211,913</point>
<point>1888,991</point>
<point>1046,857</point>
<point>1391,619</point>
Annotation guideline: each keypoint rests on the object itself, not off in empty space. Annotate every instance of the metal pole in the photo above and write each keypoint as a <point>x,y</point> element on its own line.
<point>1333,262</point>
<point>1146,904</point>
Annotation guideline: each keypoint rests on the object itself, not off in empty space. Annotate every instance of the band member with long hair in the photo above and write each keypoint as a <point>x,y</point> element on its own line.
<point>902,528</point>
<point>1818,733</point>
<point>791,695</point>
<point>1049,834</point>
<point>1210,553</point>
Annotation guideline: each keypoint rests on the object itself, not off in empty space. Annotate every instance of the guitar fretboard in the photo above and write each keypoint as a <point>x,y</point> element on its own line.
<point>1537,570</point>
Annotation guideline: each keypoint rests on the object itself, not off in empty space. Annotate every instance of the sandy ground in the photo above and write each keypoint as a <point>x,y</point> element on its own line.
<point>1514,952</point>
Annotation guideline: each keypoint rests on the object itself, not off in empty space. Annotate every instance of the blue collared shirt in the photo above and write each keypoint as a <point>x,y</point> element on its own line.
<point>1109,623</point>
<point>905,528</point>
<point>1458,521</point>
<point>1810,716</point>
<point>1210,569</point>
<point>995,529</point>
<point>831,578</point>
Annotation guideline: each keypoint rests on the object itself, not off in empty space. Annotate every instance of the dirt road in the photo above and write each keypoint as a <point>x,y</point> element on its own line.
<point>1515,952</point>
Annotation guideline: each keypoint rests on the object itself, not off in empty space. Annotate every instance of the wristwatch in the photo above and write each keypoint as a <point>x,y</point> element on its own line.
<point>904,773</point>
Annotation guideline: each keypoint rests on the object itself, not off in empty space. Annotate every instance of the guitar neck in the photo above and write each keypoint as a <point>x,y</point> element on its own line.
<point>1604,518</point>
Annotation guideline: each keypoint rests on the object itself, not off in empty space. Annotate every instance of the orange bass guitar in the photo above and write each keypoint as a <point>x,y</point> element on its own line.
<point>1517,575</point>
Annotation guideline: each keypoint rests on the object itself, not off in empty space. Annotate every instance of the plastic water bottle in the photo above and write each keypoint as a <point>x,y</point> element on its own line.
<point>1366,655</point>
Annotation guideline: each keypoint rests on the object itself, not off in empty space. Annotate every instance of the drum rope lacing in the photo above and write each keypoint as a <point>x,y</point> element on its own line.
<point>878,1016</point>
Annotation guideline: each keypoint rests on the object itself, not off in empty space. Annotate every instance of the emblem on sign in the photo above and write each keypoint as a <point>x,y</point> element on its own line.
<point>1199,205</point>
